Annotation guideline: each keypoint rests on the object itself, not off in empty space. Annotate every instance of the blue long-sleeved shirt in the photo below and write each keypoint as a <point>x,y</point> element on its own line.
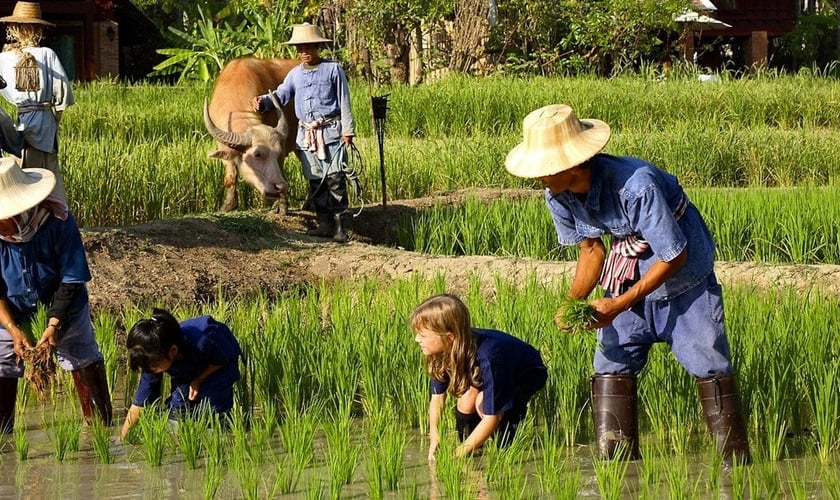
<point>511,371</point>
<point>629,196</point>
<point>31,272</point>
<point>319,92</point>
<point>209,342</point>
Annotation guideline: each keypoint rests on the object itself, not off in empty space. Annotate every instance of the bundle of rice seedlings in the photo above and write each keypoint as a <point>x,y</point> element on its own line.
<point>575,316</point>
<point>40,367</point>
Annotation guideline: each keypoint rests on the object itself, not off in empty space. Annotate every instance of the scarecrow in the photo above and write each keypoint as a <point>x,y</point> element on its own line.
<point>33,79</point>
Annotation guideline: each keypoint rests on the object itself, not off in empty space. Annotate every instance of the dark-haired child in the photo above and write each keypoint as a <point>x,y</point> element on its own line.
<point>201,355</point>
<point>492,374</point>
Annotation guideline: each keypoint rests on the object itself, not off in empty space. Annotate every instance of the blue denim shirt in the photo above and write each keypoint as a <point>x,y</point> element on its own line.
<point>209,342</point>
<point>629,196</point>
<point>32,271</point>
<point>319,91</point>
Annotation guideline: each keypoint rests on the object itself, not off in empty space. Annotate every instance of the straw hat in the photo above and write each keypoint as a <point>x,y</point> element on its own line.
<point>555,140</point>
<point>26,13</point>
<point>306,33</point>
<point>21,190</point>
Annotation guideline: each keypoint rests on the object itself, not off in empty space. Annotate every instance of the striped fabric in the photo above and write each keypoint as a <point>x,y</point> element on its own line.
<point>622,263</point>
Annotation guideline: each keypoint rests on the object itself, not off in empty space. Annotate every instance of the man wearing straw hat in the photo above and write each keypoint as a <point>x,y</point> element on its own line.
<point>322,106</point>
<point>42,261</point>
<point>38,85</point>
<point>658,276</point>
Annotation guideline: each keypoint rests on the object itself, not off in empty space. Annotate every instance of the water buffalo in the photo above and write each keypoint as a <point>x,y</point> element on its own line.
<point>253,145</point>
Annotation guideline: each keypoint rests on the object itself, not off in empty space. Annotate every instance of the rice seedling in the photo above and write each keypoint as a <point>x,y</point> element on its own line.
<point>20,438</point>
<point>297,433</point>
<point>610,475</point>
<point>101,439</point>
<point>342,454</point>
<point>825,406</point>
<point>154,428</point>
<point>575,316</point>
<point>191,433</point>
<point>215,452</point>
<point>64,434</point>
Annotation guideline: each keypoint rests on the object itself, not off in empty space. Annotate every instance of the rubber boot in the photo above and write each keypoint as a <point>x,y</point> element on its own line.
<point>465,423</point>
<point>8,397</point>
<point>326,226</point>
<point>339,236</point>
<point>92,387</point>
<point>724,420</point>
<point>614,409</point>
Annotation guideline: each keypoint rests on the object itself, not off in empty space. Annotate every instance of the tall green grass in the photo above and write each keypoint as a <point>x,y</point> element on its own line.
<point>134,153</point>
<point>790,225</point>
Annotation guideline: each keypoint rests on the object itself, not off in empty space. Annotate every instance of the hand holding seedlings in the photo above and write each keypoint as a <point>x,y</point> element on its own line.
<point>575,316</point>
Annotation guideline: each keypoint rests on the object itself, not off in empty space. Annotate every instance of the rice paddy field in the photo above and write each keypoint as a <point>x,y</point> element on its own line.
<point>333,402</point>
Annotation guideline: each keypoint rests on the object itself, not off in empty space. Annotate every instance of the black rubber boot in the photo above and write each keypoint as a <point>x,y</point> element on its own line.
<point>326,226</point>
<point>92,386</point>
<point>465,423</point>
<point>339,236</point>
<point>614,409</point>
<point>722,409</point>
<point>8,397</point>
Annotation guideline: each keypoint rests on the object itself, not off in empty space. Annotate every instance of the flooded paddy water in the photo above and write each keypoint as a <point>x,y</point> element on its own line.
<point>527,470</point>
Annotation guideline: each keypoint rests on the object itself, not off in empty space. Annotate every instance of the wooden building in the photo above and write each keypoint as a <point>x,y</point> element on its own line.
<point>751,25</point>
<point>95,38</point>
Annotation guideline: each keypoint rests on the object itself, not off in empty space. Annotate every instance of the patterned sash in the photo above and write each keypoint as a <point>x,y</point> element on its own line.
<point>622,262</point>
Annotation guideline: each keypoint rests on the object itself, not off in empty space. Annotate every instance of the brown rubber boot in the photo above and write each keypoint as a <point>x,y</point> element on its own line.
<point>92,386</point>
<point>614,407</point>
<point>724,420</point>
<point>8,398</point>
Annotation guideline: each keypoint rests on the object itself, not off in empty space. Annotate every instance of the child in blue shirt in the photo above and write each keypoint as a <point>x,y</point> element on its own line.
<point>492,374</point>
<point>201,355</point>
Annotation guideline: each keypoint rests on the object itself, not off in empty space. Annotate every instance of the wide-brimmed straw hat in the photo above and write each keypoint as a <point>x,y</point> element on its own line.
<point>20,189</point>
<point>26,13</point>
<point>306,33</point>
<point>555,140</point>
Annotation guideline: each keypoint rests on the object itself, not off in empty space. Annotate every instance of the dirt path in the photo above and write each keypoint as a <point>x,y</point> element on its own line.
<point>190,260</point>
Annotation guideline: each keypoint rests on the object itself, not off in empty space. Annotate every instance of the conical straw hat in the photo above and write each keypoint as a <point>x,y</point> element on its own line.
<point>555,140</point>
<point>26,13</point>
<point>306,33</point>
<point>20,189</point>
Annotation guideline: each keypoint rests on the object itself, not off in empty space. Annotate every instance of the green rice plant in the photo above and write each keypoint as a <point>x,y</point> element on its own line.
<point>297,433</point>
<point>191,433</point>
<point>154,429</point>
<point>575,316</point>
<point>215,451</point>
<point>825,406</point>
<point>20,437</point>
<point>676,477</point>
<point>315,491</point>
<point>101,438</point>
<point>64,433</point>
<point>503,466</point>
<point>457,476</point>
<point>611,475</point>
<point>342,454</point>
<point>385,455</point>
<point>287,476</point>
<point>771,483</point>
<point>830,478</point>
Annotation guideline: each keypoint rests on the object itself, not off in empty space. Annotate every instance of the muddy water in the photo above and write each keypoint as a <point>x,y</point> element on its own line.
<point>80,475</point>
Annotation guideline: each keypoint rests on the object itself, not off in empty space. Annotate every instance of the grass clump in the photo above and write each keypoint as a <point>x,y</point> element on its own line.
<point>575,316</point>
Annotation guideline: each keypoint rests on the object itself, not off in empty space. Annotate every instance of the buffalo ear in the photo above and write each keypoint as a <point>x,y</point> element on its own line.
<point>223,154</point>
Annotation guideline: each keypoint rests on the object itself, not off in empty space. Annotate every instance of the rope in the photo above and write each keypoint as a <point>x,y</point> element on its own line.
<point>352,167</point>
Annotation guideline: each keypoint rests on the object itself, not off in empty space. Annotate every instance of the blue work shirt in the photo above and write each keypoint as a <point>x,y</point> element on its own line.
<point>209,342</point>
<point>319,91</point>
<point>31,272</point>
<point>629,196</point>
<point>511,371</point>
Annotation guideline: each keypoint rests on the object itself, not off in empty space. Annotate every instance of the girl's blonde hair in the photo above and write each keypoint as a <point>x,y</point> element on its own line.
<point>444,314</point>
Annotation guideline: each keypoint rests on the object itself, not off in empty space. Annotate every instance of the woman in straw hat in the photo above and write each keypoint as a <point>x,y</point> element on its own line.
<point>658,277</point>
<point>42,261</point>
<point>38,85</point>
<point>325,124</point>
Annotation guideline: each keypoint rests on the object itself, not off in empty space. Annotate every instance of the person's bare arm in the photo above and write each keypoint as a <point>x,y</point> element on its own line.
<point>482,432</point>
<point>436,405</point>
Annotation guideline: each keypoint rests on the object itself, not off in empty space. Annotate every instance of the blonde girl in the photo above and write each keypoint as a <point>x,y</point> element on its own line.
<point>491,374</point>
